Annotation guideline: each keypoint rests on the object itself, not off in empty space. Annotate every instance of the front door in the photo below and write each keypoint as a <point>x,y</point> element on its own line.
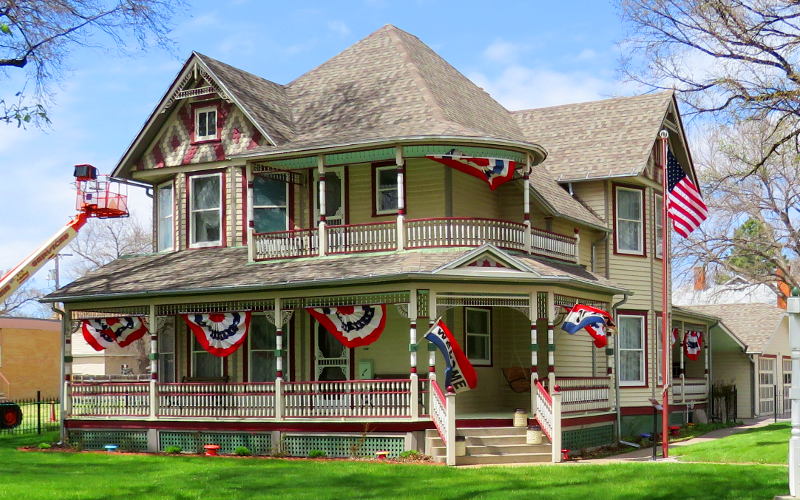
<point>331,358</point>
<point>335,202</point>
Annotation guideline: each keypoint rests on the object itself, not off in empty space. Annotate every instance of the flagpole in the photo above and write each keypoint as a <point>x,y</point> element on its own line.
<point>665,370</point>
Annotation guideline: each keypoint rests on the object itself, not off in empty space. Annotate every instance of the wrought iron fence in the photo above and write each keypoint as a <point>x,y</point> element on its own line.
<point>39,414</point>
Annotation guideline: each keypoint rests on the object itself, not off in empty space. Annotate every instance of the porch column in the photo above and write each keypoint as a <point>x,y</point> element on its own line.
<point>323,239</point>
<point>683,369</point>
<point>153,327</point>
<point>707,361</point>
<point>412,349</point>
<point>66,346</point>
<point>401,203</point>
<point>534,348</point>
<point>551,343</point>
<point>450,446</point>
<point>577,245</point>
<point>251,223</point>
<point>278,359</point>
<point>431,347</point>
<point>526,200</point>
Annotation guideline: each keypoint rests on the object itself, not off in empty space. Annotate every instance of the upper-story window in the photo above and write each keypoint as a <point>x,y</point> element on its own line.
<point>658,225</point>
<point>166,219</point>
<point>270,208</point>
<point>631,349</point>
<point>385,181</point>
<point>478,327</point>
<point>205,207</point>
<point>630,221</point>
<point>205,123</point>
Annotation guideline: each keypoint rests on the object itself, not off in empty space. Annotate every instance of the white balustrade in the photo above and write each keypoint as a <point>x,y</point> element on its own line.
<point>424,397</point>
<point>584,393</point>
<point>297,243</point>
<point>691,389</point>
<point>548,415</point>
<point>347,398</point>
<point>110,399</point>
<point>198,399</point>
<point>439,411</point>
<point>464,232</point>
<point>370,237</point>
<point>553,244</point>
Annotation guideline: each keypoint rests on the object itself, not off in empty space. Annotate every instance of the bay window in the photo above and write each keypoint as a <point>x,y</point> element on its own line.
<point>385,184</point>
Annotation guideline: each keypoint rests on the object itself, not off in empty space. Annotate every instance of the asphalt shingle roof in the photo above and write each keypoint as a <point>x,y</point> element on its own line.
<point>753,324</point>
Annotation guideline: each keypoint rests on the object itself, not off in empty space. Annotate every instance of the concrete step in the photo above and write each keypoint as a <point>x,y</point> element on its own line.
<point>483,431</point>
<point>515,449</point>
<point>485,440</point>
<point>518,458</point>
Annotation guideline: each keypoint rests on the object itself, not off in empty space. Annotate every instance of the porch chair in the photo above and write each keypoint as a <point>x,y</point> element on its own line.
<point>518,378</point>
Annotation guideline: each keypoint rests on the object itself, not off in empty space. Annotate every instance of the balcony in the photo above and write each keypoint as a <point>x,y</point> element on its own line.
<point>412,234</point>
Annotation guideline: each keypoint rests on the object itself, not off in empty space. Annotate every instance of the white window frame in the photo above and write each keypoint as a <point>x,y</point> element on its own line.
<point>198,112</point>
<point>469,334</point>
<point>251,351</point>
<point>378,190</point>
<point>640,194</point>
<point>285,206</point>
<point>164,350</point>
<point>192,229</point>
<point>192,352</point>
<point>658,226</point>
<point>642,359</point>
<point>169,185</point>
<point>659,350</point>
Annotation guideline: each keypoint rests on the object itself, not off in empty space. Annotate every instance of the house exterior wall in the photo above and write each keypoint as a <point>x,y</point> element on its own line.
<point>30,357</point>
<point>736,368</point>
<point>87,361</point>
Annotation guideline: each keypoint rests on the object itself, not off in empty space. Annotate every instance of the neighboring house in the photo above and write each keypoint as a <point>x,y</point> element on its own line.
<point>115,361</point>
<point>330,192</point>
<point>29,358</point>
<point>736,290</point>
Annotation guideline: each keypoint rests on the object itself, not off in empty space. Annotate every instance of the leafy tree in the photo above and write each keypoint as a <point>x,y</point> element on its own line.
<point>747,255</point>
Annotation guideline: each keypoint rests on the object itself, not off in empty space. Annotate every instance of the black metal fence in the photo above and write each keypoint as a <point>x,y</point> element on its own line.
<point>723,401</point>
<point>38,415</point>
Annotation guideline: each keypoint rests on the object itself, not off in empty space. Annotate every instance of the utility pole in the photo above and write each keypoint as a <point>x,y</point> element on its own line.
<point>56,274</point>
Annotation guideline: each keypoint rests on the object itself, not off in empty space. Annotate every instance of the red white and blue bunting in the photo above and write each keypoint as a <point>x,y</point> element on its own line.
<point>353,326</point>
<point>220,334</point>
<point>595,321</point>
<point>102,333</point>
<point>495,171</point>
<point>459,372</point>
<point>693,344</point>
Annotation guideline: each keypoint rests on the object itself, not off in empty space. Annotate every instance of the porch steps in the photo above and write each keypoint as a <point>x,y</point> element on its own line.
<point>490,445</point>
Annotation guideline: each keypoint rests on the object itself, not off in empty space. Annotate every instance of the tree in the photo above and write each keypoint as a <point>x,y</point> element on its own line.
<point>36,37</point>
<point>734,59</point>
<point>104,240</point>
<point>18,302</point>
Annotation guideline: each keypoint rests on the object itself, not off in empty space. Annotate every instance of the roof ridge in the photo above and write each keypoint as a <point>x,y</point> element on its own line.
<point>596,101</point>
<point>240,70</point>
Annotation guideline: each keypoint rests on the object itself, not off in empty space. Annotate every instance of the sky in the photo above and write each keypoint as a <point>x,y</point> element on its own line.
<point>526,54</point>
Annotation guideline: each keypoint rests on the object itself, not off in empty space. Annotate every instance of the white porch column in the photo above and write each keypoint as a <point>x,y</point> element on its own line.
<point>551,342</point>
<point>556,442</point>
<point>450,398</point>
<point>251,223</point>
<point>401,201</point>
<point>793,308</point>
<point>534,348</point>
<point>526,200</point>
<point>681,337</point>
<point>577,245</point>
<point>412,349</point>
<point>278,359</point>
<point>153,327</point>
<point>323,238</point>
<point>66,398</point>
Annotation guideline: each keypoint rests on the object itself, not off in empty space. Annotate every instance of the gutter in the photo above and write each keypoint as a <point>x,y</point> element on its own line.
<point>616,367</point>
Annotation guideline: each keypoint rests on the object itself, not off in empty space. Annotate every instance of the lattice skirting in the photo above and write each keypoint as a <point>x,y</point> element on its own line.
<point>192,442</point>
<point>591,437</point>
<point>341,446</point>
<point>96,440</point>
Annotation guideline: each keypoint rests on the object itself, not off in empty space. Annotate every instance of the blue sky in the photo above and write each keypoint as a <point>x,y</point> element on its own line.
<point>525,53</point>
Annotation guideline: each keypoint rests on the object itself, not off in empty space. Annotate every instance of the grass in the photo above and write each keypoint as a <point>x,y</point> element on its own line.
<point>762,445</point>
<point>116,476</point>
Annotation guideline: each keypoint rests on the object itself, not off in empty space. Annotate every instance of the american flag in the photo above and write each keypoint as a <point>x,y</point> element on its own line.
<point>684,204</point>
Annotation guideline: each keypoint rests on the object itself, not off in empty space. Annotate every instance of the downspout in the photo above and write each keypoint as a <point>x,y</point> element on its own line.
<point>594,250</point>
<point>616,366</point>
<point>61,386</point>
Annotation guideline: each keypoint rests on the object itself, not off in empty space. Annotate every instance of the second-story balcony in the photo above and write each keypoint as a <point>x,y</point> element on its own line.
<point>414,234</point>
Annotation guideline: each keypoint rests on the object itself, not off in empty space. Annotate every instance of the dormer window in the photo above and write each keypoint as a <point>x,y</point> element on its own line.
<point>205,123</point>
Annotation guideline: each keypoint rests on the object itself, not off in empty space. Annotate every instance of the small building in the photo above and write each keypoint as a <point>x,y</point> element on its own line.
<point>30,352</point>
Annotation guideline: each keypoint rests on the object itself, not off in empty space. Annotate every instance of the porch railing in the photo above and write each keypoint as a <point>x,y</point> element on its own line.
<point>110,399</point>
<point>369,237</point>
<point>196,399</point>
<point>548,415</point>
<point>690,389</point>
<point>347,398</point>
<point>424,399</point>
<point>464,232</point>
<point>296,243</point>
<point>584,393</point>
<point>439,411</point>
<point>553,244</point>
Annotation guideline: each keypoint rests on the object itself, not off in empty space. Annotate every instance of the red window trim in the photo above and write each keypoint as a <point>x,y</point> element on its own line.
<point>645,338</point>
<point>175,225</point>
<point>374,188</point>
<point>246,214</point>
<point>193,133</point>
<point>614,186</point>
<point>491,337</point>
<point>223,212</point>
<point>655,228</point>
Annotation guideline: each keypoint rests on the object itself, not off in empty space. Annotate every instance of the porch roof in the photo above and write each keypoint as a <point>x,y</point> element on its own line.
<point>220,270</point>
<point>753,324</point>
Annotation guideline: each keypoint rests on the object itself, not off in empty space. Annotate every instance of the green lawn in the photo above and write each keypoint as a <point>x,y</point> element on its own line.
<point>763,445</point>
<point>107,476</point>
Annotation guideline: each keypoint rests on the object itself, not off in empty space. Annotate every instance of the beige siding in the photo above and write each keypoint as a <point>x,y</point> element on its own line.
<point>735,368</point>
<point>473,198</point>
<point>425,189</point>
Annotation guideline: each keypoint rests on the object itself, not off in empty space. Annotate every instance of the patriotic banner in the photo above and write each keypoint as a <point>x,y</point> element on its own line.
<point>675,338</point>
<point>693,344</point>
<point>219,333</point>
<point>102,333</point>
<point>459,372</point>
<point>495,171</point>
<point>594,321</point>
<point>353,326</point>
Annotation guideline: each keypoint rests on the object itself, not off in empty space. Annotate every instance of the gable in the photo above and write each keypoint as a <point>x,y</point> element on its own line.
<point>486,258</point>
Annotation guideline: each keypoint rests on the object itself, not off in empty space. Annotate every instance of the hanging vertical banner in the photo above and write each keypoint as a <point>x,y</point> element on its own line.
<point>353,326</point>
<point>219,333</point>
<point>459,372</point>
<point>693,344</point>
<point>495,171</point>
<point>594,321</point>
<point>102,333</point>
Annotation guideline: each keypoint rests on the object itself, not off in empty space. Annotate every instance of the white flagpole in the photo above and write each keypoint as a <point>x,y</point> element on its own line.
<point>665,268</point>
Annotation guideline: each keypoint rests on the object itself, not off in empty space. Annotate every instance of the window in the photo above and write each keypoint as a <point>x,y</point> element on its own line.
<point>166,351</point>
<point>165,217</point>
<point>478,328</point>
<point>206,210</point>
<point>631,350</point>
<point>269,204</point>
<point>385,180</point>
<point>262,359</point>
<point>205,124</point>
<point>205,364</point>
<point>659,227</point>
<point>630,219</point>
<point>659,350</point>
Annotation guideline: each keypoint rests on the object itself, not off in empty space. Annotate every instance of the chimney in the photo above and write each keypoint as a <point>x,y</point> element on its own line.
<point>699,278</point>
<point>783,289</point>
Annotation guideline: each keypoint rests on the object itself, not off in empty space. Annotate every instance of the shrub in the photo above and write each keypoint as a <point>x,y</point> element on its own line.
<point>242,451</point>
<point>411,455</point>
<point>317,454</point>
<point>172,450</point>
<point>45,446</point>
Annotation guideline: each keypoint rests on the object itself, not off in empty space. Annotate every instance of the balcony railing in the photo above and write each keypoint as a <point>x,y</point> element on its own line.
<point>416,233</point>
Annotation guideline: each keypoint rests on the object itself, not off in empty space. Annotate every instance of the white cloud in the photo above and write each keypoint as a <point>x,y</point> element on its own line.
<point>502,51</point>
<point>339,27</point>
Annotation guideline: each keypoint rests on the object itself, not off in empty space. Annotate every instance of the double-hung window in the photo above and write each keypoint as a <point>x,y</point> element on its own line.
<point>478,328</point>
<point>166,226</point>
<point>631,349</point>
<point>205,207</point>
<point>205,124</point>
<point>630,221</point>
<point>386,190</point>
<point>204,364</point>
<point>166,351</point>
<point>658,225</point>
<point>262,363</point>
<point>270,204</point>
